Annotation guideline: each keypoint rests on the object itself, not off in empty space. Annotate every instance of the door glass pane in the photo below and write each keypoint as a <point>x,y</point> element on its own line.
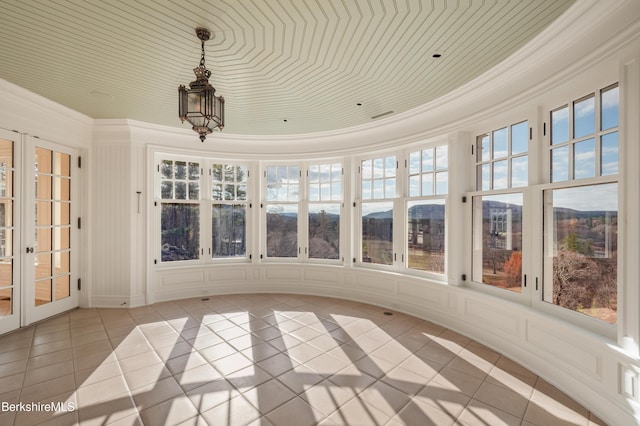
<point>62,265</point>
<point>6,272</point>
<point>62,164</point>
<point>63,240</point>
<point>43,265</point>
<point>62,214</point>
<point>43,240</point>
<point>63,287</point>
<point>6,301</point>
<point>43,292</point>
<point>43,160</point>
<point>377,233</point>
<point>581,249</point>
<point>6,227</point>
<point>43,213</point>
<point>62,188</point>
<point>43,187</point>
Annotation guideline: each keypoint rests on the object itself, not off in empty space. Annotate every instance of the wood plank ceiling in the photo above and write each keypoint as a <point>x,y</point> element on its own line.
<point>320,65</point>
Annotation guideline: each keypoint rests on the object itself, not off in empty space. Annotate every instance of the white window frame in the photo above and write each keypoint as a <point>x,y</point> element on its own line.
<point>204,202</point>
<point>476,163</point>
<point>249,222</point>
<point>568,315</point>
<point>434,196</point>
<point>397,203</point>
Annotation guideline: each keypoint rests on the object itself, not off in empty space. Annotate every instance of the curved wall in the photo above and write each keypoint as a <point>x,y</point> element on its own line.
<point>593,44</point>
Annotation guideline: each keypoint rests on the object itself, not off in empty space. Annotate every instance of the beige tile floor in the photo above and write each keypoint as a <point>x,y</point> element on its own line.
<point>266,360</point>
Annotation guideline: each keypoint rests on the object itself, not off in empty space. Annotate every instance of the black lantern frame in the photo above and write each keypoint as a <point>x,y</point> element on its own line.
<point>199,104</point>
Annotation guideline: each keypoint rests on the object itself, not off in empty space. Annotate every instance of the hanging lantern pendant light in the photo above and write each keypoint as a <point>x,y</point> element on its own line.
<point>199,105</point>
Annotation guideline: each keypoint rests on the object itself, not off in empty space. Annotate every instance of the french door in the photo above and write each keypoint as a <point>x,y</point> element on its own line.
<point>38,242</point>
<point>10,258</point>
<point>50,263</point>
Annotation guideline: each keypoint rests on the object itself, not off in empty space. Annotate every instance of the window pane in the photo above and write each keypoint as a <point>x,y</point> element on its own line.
<point>336,172</point>
<point>414,163</point>
<point>584,161</point>
<point>609,154</point>
<point>366,190</point>
<point>442,157</point>
<point>228,230</point>
<point>500,175</point>
<point>324,231</point>
<point>194,190</point>
<point>241,173</point>
<point>414,186</point>
<point>500,143</point>
<point>560,164</point>
<point>166,169</point>
<point>282,230</point>
<point>241,192</point>
<point>180,229</point>
<point>314,192</point>
<point>377,233</point>
<point>272,187</point>
<point>282,183</point>
<point>166,189</point>
<point>519,171</point>
<point>427,184</point>
<point>194,171</point>
<point>427,160</point>
<point>581,249</point>
<point>610,100</point>
<point>497,241</point>
<point>584,117</point>
<point>560,125</point>
<point>378,167</point>
<point>366,169</point>
<point>314,173</point>
<point>426,235</point>
<point>181,190</point>
<point>390,187</point>
<point>390,166</point>
<point>181,170</point>
<point>484,173</point>
<point>378,189</point>
<point>519,138</point>
<point>442,183</point>
<point>484,148</point>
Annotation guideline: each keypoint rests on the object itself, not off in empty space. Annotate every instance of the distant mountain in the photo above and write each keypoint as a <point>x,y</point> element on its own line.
<point>429,211</point>
<point>380,215</point>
